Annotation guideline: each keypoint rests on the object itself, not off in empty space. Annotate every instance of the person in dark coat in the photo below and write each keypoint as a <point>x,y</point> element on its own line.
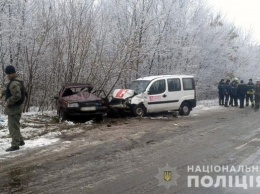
<point>241,92</point>
<point>233,93</point>
<point>257,94</point>
<point>250,92</point>
<point>227,92</point>
<point>221,87</point>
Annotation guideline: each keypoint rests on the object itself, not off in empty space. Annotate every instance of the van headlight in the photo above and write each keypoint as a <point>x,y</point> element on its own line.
<point>73,105</point>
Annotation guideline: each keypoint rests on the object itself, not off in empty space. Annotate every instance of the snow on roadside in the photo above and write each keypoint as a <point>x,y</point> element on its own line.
<point>202,106</point>
<point>39,129</point>
<point>29,144</point>
<point>207,104</point>
<point>35,130</point>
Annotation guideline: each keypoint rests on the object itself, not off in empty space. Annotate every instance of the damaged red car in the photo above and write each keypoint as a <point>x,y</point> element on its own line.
<point>78,100</point>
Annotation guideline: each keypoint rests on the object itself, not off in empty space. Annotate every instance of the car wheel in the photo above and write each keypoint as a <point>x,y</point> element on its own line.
<point>62,115</point>
<point>185,109</point>
<point>138,110</point>
<point>112,113</point>
<point>98,118</point>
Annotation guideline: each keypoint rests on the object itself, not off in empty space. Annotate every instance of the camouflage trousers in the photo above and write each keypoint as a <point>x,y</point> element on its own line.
<point>14,129</point>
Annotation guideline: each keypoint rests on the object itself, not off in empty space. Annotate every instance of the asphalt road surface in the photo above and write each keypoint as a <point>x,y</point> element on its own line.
<point>125,156</point>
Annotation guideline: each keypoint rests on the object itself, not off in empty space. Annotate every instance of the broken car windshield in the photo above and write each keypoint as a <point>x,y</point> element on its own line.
<point>139,86</point>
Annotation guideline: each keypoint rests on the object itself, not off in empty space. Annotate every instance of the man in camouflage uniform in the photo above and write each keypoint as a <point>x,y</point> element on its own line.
<point>257,94</point>
<point>14,97</point>
<point>250,93</point>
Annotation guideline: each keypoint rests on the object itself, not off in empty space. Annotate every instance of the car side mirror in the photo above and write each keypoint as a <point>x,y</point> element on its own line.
<point>56,97</point>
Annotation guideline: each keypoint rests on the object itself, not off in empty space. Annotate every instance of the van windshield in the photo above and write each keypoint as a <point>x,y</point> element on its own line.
<point>139,86</point>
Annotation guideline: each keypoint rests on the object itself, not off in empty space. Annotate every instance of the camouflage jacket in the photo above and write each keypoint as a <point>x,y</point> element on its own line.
<point>15,88</point>
<point>250,88</point>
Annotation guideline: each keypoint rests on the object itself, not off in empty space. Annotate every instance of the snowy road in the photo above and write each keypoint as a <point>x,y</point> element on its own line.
<point>123,155</point>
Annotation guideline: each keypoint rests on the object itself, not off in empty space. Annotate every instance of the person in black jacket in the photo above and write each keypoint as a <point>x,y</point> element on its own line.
<point>221,87</point>
<point>241,92</point>
<point>233,93</point>
<point>227,92</point>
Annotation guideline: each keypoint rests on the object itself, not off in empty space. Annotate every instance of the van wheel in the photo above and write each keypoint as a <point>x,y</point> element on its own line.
<point>185,109</point>
<point>62,115</point>
<point>138,110</point>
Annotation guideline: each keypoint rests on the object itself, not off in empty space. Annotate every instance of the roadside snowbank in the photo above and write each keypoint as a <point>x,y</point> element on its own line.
<point>34,131</point>
<point>207,105</point>
<point>39,129</point>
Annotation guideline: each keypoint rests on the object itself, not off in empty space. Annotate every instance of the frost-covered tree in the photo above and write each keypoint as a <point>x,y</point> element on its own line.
<point>111,42</point>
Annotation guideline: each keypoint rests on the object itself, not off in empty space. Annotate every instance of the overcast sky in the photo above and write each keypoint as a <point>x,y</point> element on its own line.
<point>245,13</point>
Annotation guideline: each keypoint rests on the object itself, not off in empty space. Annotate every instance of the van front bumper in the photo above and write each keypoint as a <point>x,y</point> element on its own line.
<point>119,104</point>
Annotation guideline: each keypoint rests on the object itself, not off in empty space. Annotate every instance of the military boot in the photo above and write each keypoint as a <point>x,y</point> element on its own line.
<point>22,143</point>
<point>12,148</point>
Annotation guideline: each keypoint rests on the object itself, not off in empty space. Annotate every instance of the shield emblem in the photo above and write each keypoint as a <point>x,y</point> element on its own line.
<point>167,176</point>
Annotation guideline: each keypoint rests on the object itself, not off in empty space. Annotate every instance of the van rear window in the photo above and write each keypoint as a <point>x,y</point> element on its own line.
<point>188,84</point>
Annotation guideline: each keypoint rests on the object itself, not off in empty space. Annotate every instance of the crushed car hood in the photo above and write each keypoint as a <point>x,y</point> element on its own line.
<point>123,93</point>
<point>81,97</point>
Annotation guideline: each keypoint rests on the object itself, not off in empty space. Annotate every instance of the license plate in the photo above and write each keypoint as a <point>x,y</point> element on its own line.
<point>90,108</point>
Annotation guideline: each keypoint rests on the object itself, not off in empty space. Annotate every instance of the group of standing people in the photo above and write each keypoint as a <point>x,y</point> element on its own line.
<point>232,92</point>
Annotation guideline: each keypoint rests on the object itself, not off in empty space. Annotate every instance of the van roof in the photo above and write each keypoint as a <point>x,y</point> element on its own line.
<point>164,76</point>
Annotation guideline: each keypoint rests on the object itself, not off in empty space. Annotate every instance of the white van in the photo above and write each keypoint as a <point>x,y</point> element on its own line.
<point>153,94</point>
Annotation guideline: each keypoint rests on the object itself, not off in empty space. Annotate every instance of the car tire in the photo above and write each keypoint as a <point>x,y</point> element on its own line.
<point>185,109</point>
<point>62,115</point>
<point>138,110</point>
<point>99,118</point>
<point>112,113</point>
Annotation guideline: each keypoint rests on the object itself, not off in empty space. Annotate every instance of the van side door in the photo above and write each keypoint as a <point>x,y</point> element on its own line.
<point>175,93</point>
<point>157,96</point>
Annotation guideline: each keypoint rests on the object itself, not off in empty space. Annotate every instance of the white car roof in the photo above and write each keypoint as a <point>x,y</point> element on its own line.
<point>149,78</point>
